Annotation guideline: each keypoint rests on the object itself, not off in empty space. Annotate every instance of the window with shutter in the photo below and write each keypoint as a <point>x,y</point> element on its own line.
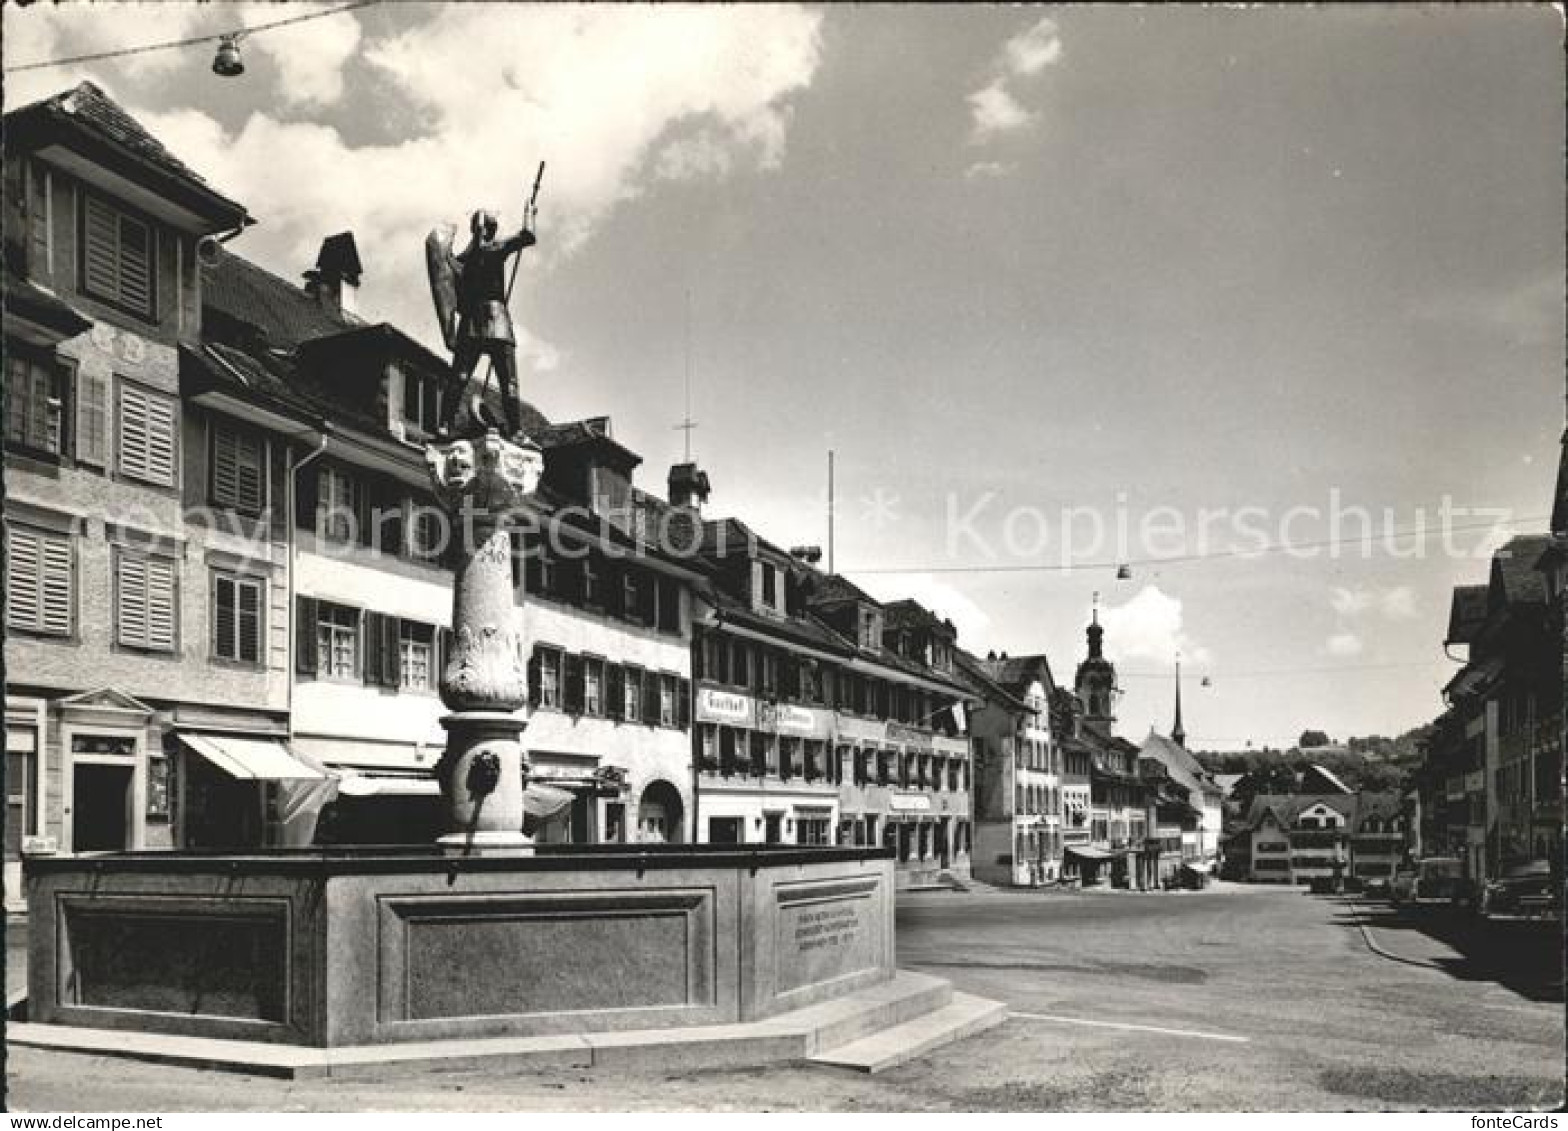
<point>683,705</point>
<point>339,502</point>
<point>416,656</point>
<point>236,618</point>
<point>146,602</point>
<point>34,401</point>
<point>118,261</point>
<point>149,442</point>
<point>40,581</point>
<point>337,641</point>
<point>669,605</point>
<point>239,470</point>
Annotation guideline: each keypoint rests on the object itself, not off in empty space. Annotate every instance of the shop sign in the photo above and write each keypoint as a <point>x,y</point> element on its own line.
<point>907,735</point>
<point>786,718</point>
<point>909,803</point>
<point>724,707</point>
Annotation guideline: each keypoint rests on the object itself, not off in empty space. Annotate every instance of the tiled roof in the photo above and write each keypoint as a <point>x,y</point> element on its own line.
<point>1178,763</point>
<point>1380,805</point>
<point>835,588</point>
<point>1316,772</point>
<point>88,107</point>
<point>971,670</point>
<point>1515,579</point>
<point>1466,613</point>
<point>1017,672</point>
<point>26,299</point>
<point>1288,806</point>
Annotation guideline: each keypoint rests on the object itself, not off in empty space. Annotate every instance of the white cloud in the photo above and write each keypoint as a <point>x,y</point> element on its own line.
<point>1344,644</point>
<point>987,169</point>
<point>995,108</point>
<point>1396,603</point>
<point>1149,627</point>
<point>996,111</point>
<point>971,621</point>
<point>310,57</point>
<point>1032,50</point>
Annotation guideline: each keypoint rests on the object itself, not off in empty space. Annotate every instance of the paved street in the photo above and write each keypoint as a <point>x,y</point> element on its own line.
<point>1236,998</point>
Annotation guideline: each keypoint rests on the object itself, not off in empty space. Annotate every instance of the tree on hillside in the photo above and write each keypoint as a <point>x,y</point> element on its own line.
<point>1312,738</point>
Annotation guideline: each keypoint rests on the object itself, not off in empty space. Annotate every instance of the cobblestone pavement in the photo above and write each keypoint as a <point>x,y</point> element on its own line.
<point>1234,998</point>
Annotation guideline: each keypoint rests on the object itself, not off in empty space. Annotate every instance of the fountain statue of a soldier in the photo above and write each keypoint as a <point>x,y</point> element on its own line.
<point>471,289</point>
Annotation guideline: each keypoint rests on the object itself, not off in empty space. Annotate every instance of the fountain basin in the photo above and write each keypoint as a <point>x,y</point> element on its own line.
<point>363,946</point>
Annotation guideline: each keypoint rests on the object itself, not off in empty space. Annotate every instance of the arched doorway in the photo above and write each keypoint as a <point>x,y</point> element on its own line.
<point>660,814</point>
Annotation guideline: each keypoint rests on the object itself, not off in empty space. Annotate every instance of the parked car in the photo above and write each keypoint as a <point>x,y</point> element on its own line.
<point>1402,885</point>
<point>1525,890</point>
<point>1439,879</point>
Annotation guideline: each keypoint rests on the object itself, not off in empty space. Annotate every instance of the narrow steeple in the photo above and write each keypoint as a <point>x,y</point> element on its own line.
<point>1178,732</point>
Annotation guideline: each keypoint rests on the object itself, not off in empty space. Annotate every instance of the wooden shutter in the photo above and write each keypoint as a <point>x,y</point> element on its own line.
<point>535,679</point>
<point>238,470</point>
<point>117,257</point>
<point>391,652</point>
<point>39,582</point>
<point>250,621</point>
<point>307,490</point>
<point>614,691</point>
<point>148,439</point>
<point>650,698</point>
<point>683,704</point>
<point>225,615</point>
<point>647,600</point>
<point>306,657</point>
<point>92,418</point>
<point>444,638</point>
<point>573,697</point>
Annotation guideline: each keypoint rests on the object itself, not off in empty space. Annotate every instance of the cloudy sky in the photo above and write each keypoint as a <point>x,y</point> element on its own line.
<point>1034,274</point>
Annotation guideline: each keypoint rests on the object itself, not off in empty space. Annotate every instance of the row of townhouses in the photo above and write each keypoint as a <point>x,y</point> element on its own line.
<point>1490,789</point>
<point>227,597</point>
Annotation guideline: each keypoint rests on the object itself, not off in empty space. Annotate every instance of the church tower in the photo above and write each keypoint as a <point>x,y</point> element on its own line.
<point>1096,680</point>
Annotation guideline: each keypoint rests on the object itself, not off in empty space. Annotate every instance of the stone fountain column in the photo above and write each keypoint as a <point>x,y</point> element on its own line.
<point>485,682</point>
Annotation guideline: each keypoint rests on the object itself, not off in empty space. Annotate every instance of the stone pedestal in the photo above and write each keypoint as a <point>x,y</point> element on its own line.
<point>485,682</point>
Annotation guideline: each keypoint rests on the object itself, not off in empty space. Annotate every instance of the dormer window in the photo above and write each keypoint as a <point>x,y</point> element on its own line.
<point>421,404</point>
<point>767,589</point>
<point>870,628</point>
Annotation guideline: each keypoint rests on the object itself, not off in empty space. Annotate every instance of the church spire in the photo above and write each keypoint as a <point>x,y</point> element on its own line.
<point>1178,732</point>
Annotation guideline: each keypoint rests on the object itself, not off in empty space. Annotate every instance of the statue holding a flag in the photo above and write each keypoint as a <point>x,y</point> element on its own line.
<point>471,289</point>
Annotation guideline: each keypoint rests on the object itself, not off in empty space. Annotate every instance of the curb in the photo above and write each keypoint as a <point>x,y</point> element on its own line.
<point>1382,952</point>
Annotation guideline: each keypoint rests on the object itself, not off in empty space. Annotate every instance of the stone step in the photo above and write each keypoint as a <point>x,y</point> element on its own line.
<point>792,1036</point>
<point>964,1016</point>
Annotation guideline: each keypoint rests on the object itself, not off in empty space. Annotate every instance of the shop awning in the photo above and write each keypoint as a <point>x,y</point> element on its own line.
<point>250,759</point>
<point>1088,852</point>
<point>352,784</point>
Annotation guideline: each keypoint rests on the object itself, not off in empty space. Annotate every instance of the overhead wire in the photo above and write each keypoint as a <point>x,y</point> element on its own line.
<point>142,49</point>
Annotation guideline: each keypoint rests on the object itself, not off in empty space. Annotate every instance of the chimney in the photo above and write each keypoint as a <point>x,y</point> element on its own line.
<point>688,486</point>
<point>334,281</point>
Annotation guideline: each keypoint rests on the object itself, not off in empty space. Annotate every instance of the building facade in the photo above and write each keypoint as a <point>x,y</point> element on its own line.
<point>118,612</point>
<point>1018,794</point>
